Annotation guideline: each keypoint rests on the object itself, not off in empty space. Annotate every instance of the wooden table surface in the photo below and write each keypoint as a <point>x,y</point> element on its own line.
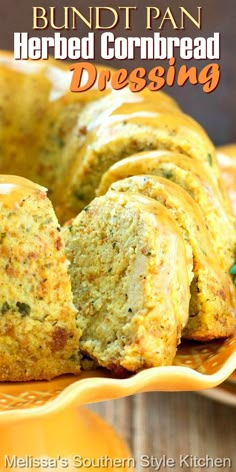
<point>174,424</point>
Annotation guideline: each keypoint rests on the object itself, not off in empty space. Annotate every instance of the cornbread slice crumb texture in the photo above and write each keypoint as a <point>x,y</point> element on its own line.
<point>39,338</point>
<point>130,281</point>
<point>213,296</point>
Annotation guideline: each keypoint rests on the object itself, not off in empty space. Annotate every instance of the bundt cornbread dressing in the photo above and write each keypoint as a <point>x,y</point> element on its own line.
<point>212,311</point>
<point>196,181</point>
<point>74,139</point>
<point>130,278</point>
<point>39,337</point>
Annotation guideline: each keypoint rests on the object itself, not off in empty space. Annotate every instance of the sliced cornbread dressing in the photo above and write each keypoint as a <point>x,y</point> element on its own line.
<point>131,262</point>
<point>39,338</point>
<point>130,281</point>
<point>197,182</point>
<point>213,301</point>
<point>128,125</point>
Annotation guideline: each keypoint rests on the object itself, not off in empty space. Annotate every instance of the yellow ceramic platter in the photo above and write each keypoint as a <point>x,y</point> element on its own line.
<point>42,419</point>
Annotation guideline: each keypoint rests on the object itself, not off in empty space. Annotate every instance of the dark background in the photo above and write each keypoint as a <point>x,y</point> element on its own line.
<point>215,111</point>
